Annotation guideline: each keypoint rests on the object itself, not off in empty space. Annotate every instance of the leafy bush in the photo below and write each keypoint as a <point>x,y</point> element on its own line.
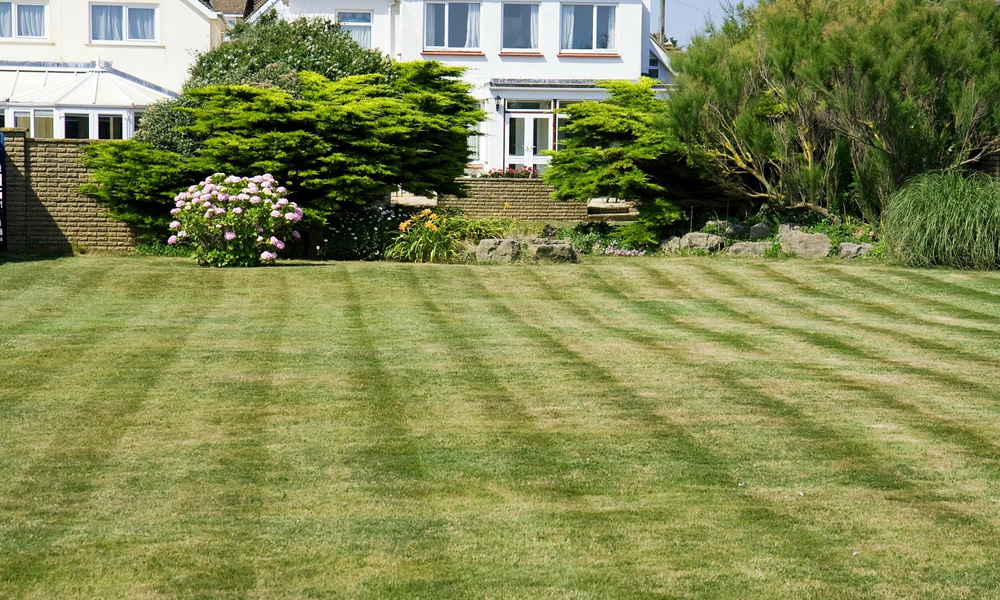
<point>473,230</point>
<point>268,53</point>
<point>948,219</point>
<point>629,239</point>
<point>135,181</point>
<point>362,233</point>
<point>234,221</point>
<point>425,238</point>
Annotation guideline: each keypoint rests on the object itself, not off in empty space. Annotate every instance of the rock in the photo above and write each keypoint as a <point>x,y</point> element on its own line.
<point>759,231</point>
<point>552,250</point>
<point>784,228</point>
<point>498,250</point>
<point>749,248</point>
<point>727,227</point>
<point>673,245</point>
<point>702,241</point>
<point>807,245</point>
<point>851,250</point>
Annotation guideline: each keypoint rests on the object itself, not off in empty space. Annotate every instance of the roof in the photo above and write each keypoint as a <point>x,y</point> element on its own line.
<point>234,7</point>
<point>75,86</point>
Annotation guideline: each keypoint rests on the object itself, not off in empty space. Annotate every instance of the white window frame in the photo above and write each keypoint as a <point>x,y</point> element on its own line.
<point>126,7</point>
<point>503,7</point>
<point>371,18</point>
<point>447,8</point>
<point>14,4</point>
<point>612,43</point>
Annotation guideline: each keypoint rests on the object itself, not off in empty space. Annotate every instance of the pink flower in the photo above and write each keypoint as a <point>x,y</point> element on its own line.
<point>172,240</point>
<point>230,235</point>
<point>260,239</point>
<point>174,211</point>
<point>175,224</point>
<point>268,256</point>
<point>209,214</point>
<point>293,217</point>
<point>276,214</point>
<point>180,203</point>
<point>280,245</point>
<point>238,210</point>
<point>181,234</point>
<point>254,199</point>
<point>219,210</point>
<point>282,201</point>
<point>296,235</point>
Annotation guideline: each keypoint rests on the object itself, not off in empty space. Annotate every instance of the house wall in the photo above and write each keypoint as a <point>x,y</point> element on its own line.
<point>45,208</point>
<point>183,30</point>
<point>522,199</point>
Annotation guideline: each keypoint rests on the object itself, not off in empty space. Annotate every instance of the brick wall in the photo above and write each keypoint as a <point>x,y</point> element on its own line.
<point>44,206</point>
<point>523,199</point>
<point>991,164</point>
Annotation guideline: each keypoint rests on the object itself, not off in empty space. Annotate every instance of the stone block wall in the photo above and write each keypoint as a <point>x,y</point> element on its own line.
<point>45,209</point>
<point>522,199</point>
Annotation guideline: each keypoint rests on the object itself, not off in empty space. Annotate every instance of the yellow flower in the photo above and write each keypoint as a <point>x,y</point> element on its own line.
<point>425,212</point>
<point>506,205</point>
<point>404,225</point>
<point>430,226</point>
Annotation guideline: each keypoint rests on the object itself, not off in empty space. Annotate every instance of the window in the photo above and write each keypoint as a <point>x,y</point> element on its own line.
<point>520,26</point>
<point>452,25</point>
<point>358,25</point>
<point>120,22</point>
<point>588,27</point>
<point>45,124</point>
<point>22,20</point>
<point>109,127</point>
<point>77,127</point>
<point>22,119</point>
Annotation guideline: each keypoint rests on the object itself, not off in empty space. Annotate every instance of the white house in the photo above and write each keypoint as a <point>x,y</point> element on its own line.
<point>88,68</point>
<point>526,59</point>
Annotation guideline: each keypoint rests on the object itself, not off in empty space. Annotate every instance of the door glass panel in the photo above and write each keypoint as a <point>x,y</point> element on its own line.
<point>541,136</point>
<point>515,136</point>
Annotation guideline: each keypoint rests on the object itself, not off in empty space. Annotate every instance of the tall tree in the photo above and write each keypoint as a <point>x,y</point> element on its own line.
<point>833,104</point>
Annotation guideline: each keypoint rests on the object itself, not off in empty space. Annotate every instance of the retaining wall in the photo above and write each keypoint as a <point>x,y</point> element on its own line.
<point>45,209</point>
<point>522,199</point>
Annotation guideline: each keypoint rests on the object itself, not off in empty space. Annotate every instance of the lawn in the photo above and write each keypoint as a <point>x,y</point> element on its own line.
<point>630,428</point>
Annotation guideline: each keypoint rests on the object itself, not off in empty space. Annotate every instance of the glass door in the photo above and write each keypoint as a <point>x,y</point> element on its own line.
<point>528,137</point>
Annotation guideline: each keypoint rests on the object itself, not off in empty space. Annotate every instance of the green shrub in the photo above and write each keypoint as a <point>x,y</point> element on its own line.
<point>948,219</point>
<point>362,233</point>
<point>426,237</point>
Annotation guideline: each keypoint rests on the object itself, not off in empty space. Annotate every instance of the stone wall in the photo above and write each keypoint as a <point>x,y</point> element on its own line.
<point>523,199</point>
<point>45,209</point>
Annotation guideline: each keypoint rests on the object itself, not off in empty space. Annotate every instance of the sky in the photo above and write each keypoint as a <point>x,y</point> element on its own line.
<point>685,17</point>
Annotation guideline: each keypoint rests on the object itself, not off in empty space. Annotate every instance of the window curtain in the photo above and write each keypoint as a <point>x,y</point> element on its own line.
<point>5,20</point>
<point>106,22</point>
<point>30,20</point>
<point>434,26</point>
<point>141,24</point>
<point>568,20</point>
<point>472,27</point>
<point>362,34</point>
<point>534,26</point>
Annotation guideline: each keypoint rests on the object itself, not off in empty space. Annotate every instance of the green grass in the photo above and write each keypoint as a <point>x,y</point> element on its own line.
<point>645,428</point>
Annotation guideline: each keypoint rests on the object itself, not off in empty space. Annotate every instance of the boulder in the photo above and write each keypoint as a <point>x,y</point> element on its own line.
<point>851,250</point>
<point>806,245</point>
<point>498,250</point>
<point>759,231</point>
<point>784,228</point>
<point>702,241</point>
<point>727,227</point>
<point>749,248</point>
<point>552,250</point>
<point>672,246</point>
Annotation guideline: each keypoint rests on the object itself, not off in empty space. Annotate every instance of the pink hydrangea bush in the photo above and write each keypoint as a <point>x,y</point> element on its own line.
<point>235,221</point>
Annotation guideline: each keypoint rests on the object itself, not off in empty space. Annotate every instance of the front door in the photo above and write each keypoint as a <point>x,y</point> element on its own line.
<point>528,137</point>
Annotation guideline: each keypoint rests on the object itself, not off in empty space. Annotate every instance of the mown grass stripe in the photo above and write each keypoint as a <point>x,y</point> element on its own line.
<point>704,467</point>
<point>869,473</point>
<point>391,464</point>
<point>872,286</point>
<point>52,493</point>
